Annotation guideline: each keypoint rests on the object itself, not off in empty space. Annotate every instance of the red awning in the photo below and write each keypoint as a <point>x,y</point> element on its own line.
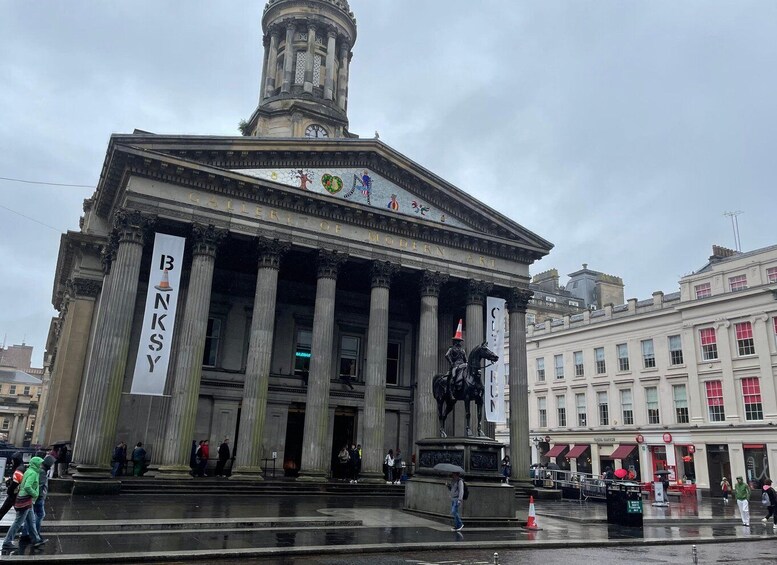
<point>622,451</point>
<point>556,450</point>
<point>577,451</point>
<point>753,446</point>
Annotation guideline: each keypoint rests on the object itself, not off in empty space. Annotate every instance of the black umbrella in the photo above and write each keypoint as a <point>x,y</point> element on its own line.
<point>448,468</point>
<point>661,472</point>
<point>61,443</point>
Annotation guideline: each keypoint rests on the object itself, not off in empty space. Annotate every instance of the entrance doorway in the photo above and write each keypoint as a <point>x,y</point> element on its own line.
<point>718,466</point>
<point>295,430</point>
<point>344,434</point>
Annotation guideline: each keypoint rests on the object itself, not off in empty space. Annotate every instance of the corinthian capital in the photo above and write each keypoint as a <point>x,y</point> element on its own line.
<point>206,239</point>
<point>382,271</point>
<point>477,291</point>
<point>518,299</point>
<point>430,283</point>
<point>130,226</point>
<point>270,252</point>
<point>329,263</point>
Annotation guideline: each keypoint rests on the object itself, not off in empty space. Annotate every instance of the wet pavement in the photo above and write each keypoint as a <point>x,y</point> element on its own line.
<point>133,528</point>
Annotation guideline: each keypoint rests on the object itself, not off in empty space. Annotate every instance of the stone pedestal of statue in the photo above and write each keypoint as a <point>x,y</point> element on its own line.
<point>489,502</point>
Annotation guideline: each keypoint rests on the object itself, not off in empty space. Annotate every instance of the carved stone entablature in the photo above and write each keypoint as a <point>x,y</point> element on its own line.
<point>428,458</point>
<point>483,461</point>
<point>85,288</point>
<point>88,204</point>
<point>518,299</point>
<point>329,263</point>
<point>131,226</point>
<point>206,239</point>
<point>477,291</point>
<point>270,252</point>
<point>430,283</point>
<point>382,271</point>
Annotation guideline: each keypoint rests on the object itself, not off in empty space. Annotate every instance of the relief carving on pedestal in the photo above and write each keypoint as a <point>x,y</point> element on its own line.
<point>430,458</point>
<point>483,461</point>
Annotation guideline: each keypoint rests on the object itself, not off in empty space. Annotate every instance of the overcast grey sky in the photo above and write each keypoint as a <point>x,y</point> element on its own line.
<point>619,130</point>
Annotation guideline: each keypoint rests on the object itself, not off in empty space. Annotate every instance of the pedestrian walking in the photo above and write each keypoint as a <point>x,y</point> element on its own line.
<point>223,457</point>
<point>12,483</point>
<point>193,456</point>
<point>388,465</point>
<point>25,498</point>
<point>203,453</point>
<point>118,459</point>
<point>725,488</point>
<point>138,459</point>
<point>456,487</point>
<point>343,459</point>
<point>62,460</point>
<point>355,463</point>
<point>506,469</point>
<point>398,467</point>
<point>39,507</point>
<point>742,495</point>
<point>771,497</point>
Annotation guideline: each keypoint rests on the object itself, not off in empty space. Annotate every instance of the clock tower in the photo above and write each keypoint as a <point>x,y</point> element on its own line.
<point>304,88</point>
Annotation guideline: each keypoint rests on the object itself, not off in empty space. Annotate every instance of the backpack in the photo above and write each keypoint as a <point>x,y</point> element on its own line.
<point>465,496</point>
<point>765,499</point>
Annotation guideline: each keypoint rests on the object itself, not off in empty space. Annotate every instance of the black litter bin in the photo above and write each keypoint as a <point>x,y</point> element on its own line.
<point>624,504</point>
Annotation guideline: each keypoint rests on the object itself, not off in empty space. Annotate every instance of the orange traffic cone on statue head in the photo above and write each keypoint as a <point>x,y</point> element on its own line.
<point>458,332</point>
<point>531,523</point>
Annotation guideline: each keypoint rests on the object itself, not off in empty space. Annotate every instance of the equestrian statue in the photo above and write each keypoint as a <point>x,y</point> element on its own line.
<point>462,382</point>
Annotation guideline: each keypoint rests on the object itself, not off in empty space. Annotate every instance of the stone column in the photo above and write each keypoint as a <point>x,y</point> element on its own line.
<point>265,61</point>
<point>188,364</point>
<point>315,447</point>
<point>375,373</point>
<point>520,451</point>
<point>308,85</point>
<point>272,64</point>
<point>252,415</point>
<point>330,65</point>
<point>14,430</point>
<point>288,57</point>
<point>96,428</point>
<point>474,335</point>
<point>342,75</point>
<point>428,352</point>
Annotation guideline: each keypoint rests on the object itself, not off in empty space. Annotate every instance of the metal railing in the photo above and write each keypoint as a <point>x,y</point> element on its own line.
<point>585,485</point>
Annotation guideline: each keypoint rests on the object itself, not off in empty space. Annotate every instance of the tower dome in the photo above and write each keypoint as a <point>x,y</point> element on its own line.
<point>304,88</point>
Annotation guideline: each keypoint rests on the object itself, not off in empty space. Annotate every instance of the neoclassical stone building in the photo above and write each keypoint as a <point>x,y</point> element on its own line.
<point>322,281</point>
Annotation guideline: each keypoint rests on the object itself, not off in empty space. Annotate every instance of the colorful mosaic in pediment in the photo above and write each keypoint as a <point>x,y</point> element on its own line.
<point>361,186</point>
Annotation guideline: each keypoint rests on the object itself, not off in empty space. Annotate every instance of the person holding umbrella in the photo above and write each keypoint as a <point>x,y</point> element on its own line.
<point>457,498</point>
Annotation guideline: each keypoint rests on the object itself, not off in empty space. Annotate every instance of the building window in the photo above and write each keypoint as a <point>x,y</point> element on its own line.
<point>623,357</point>
<point>601,367</point>
<point>531,318</point>
<point>349,358</point>
<point>627,406</point>
<point>648,354</point>
<point>212,340</point>
<point>579,369</point>
<point>26,391</point>
<point>12,389</point>
<point>299,72</point>
<point>558,363</point>
<point>582,415</point>
<point>604,409</point>
<point>540,368</point>
<point>751,391</point>
<point>550,299</point>
<point>651,399</point>
<point>703,290</point>
<point>745,343</point>
<point>392,363</point>
<point>737,283</point>
<point>302,353</point>
<point>561,410</point>
<point>715,407</point>
<point>316,70</point>
<point>542,412</point>
<point>709,344</point>
<point>680,396</point>
<point>6,423</point>
<point>771,275</point>
<point>675,350</point>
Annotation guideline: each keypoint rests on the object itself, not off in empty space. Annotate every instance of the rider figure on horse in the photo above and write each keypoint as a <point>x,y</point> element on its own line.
<point>457,358</point>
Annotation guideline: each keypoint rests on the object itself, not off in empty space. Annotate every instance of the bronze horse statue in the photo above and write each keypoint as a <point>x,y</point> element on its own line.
<point>471,389</point>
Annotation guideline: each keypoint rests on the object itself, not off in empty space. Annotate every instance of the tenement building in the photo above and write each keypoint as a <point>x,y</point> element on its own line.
<point>683,381</point>
<point>294,289</point>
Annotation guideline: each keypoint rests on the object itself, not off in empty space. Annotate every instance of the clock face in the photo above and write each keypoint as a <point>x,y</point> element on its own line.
<point>316,130</point>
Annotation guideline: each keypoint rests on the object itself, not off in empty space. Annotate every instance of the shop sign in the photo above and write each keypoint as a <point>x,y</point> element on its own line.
<point>605,440</point>
<point>634,507</point>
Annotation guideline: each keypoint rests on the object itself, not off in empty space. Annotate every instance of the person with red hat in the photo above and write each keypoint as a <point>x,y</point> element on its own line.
<point>457,358</point>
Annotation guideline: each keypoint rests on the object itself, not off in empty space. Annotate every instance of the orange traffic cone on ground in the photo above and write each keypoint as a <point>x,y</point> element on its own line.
<point>531,524</point>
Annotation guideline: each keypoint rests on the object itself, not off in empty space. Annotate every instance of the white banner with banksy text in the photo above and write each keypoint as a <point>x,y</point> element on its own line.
<point>156,338</point>
<point>495,374</point>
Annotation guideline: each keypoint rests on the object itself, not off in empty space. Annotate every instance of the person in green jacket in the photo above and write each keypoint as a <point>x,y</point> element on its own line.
<point>26,497</point>
<point>742,494</point>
